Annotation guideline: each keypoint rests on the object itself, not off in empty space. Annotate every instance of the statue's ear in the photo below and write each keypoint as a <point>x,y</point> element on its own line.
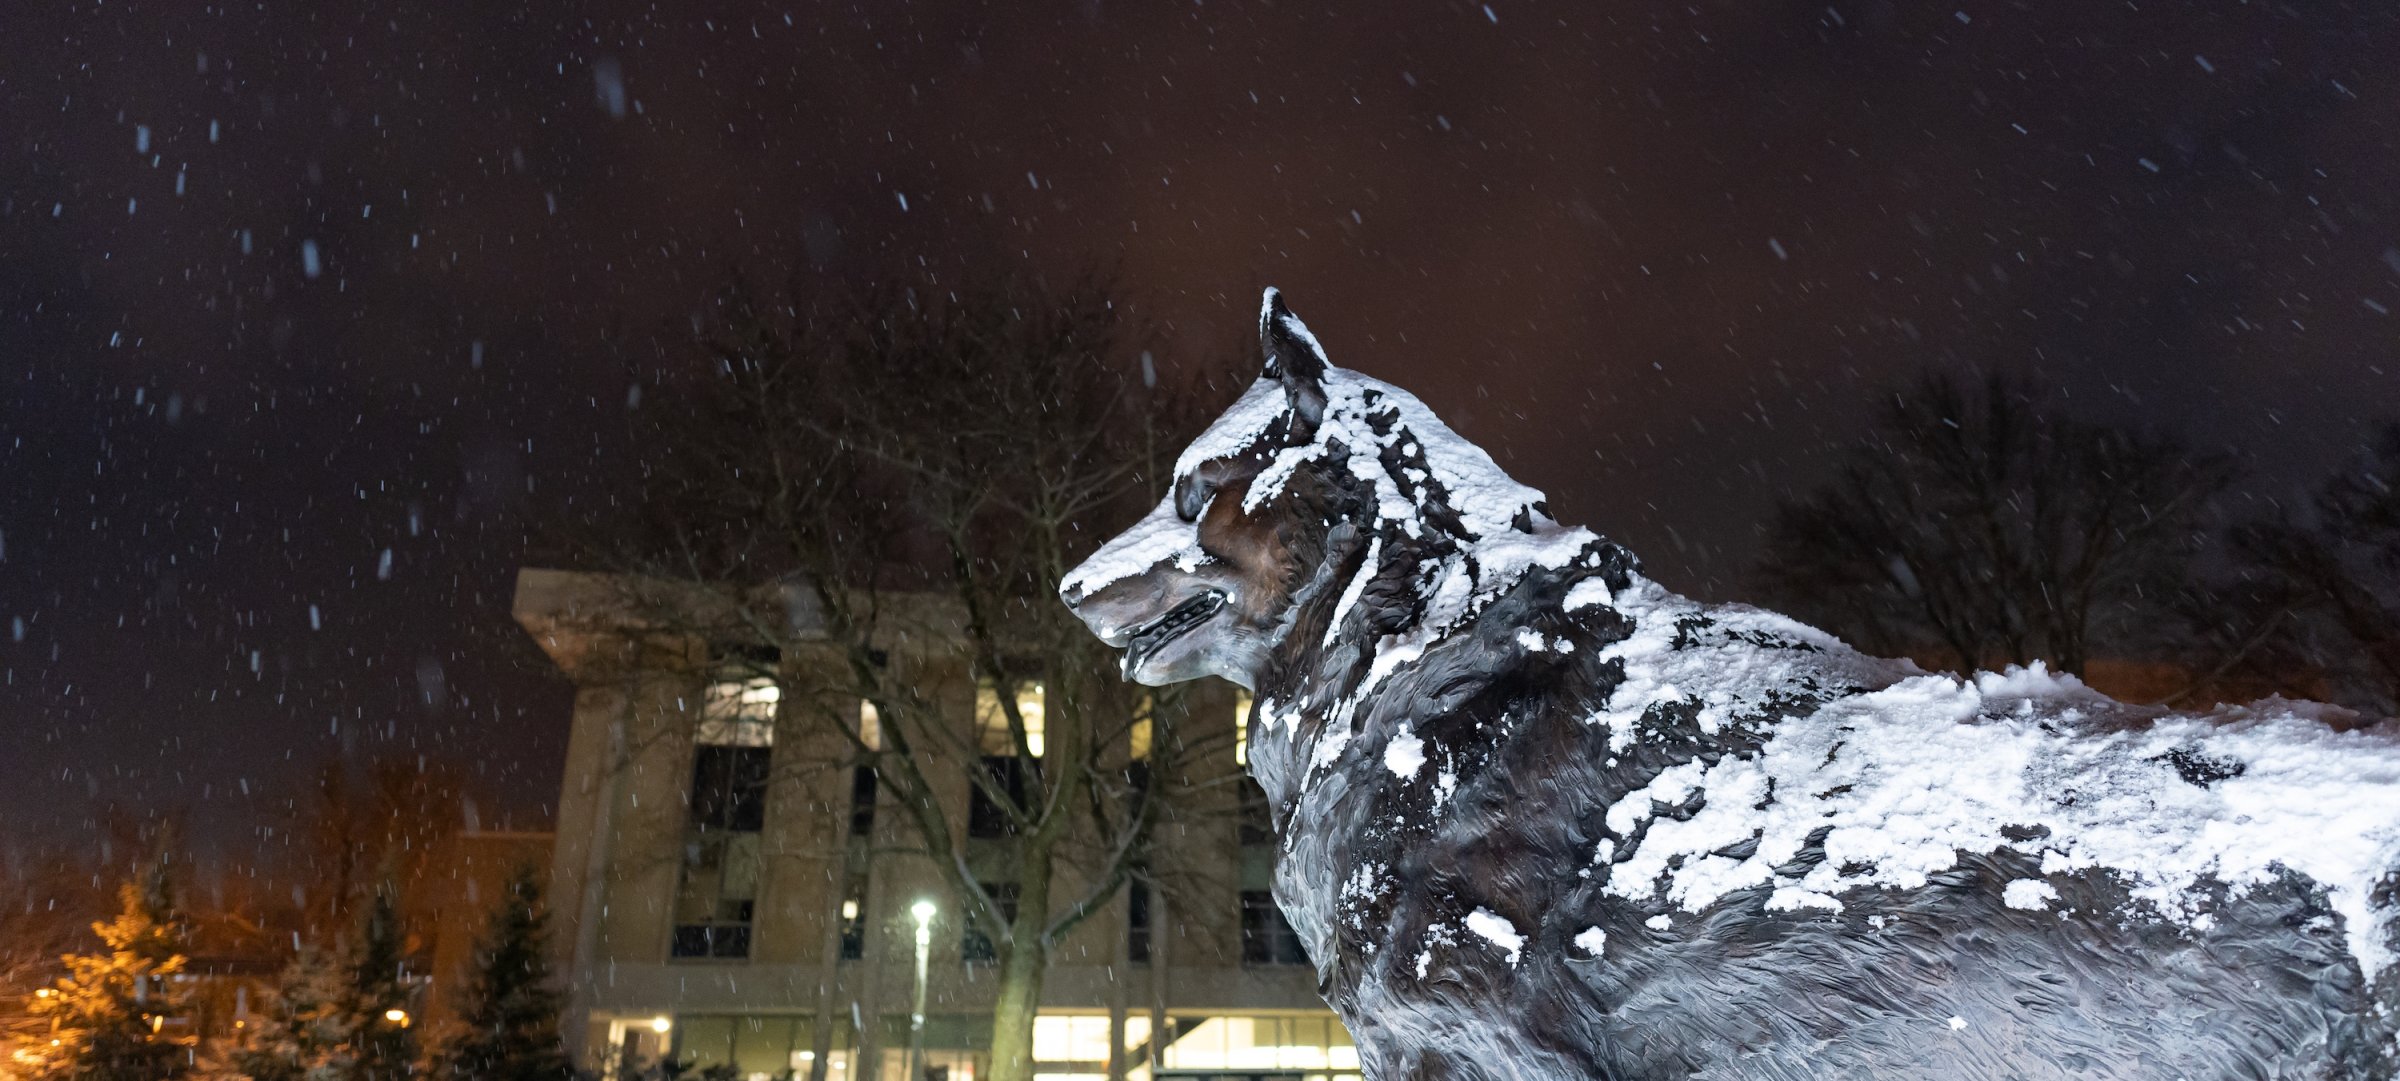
<point>1293,357</point>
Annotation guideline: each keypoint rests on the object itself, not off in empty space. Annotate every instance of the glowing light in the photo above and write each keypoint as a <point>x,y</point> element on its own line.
<point>923,911</point>
<point>396,1016</point>
<point>661,1024</point>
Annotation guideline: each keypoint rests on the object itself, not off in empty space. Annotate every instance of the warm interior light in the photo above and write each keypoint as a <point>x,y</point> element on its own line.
<point>1241,728</point>
<point>661,1023</point>
<point>396,1016</point>
<point>849,910</point>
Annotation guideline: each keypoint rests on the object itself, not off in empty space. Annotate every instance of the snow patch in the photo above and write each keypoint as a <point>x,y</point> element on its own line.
<point>1404,755</point>
<point>1590,940</point>
<point>1902,779</point>
<point>1497,931</point>
<point>2031,894</point>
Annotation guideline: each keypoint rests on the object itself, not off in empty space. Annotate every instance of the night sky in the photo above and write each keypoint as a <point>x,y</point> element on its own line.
<point>307,311</point>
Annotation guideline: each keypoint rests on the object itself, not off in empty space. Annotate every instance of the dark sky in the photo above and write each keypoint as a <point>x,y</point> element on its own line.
<point>306,308</point>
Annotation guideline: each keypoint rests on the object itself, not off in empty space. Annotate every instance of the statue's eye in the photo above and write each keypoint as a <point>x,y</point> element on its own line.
<point>1192,492</point>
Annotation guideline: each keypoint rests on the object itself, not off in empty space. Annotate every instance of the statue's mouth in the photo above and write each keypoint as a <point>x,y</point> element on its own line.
<point>1179,621</point>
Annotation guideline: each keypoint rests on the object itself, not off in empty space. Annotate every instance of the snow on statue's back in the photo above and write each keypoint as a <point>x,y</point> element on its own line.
<point>1542,818</point>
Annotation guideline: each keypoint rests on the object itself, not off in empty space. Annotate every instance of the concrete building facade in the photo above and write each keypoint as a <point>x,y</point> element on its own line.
<point>726,889</point>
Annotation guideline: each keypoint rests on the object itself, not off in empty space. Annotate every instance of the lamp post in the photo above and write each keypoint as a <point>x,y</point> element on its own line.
<point>923,911</point>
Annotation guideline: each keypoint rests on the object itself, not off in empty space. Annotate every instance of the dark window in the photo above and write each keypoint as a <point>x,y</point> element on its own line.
<point>713,909</point>
<point>729,788</point>
<point>754,655</point>
<point>1266,938</point>
<point>985,819</point>
<point>725,942</point>
<point>862,801</point>
<point>717,895</point>
<point>1257,820</point>
<point>976,947</point>
<point>1137,922</point>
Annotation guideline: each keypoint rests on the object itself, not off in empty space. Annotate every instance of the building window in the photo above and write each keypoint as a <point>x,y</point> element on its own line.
<point>729,788</point>
<point>854,919</point>
<point>991,721</point>
<point>1144,731</point>
<point>870,725</point>
<point>863,783</point>
<point>986,819</point>
<point>1137,920</point>
<point>974,946</point>
<point>862,801</point>
<point>1266,938</point>
<point>720,887</point>
<point>1315,1046</point>
<point>717,896</point>
<point>739,713</point>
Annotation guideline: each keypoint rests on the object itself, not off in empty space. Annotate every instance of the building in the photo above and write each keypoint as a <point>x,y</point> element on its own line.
<point>713,905</point>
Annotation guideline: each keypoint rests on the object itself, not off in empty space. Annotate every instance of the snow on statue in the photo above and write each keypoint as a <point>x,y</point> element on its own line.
<point>1542,818</point>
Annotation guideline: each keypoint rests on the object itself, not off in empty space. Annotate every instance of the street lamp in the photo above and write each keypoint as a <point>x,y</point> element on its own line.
<point>923,911</point>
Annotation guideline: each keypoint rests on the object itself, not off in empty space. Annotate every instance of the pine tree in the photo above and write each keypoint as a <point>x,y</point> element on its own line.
<point>305,1034</point>
<point>509,1018</point>
<point>377,999</point>
<point>107,1013</point>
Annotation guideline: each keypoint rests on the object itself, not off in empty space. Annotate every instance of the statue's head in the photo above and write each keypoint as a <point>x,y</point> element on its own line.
<point>1323,491</point>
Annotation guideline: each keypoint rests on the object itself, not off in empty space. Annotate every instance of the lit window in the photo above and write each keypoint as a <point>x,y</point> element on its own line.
<point>1241,727</point>
<point>1066,1040</point>
<point>739,713</point>
<point>870,725</point>
<point>1260,1044</point>
<point>991,721</point>
<point>1139,740</point>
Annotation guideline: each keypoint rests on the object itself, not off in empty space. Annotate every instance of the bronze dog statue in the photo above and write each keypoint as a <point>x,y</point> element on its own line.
<point>1541,818</point>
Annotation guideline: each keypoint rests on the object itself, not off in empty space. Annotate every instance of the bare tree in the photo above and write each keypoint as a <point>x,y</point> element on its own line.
<point>1984,528</point>
<point>2315,606</point>
<point>366,826</point>
<point>853,483</point>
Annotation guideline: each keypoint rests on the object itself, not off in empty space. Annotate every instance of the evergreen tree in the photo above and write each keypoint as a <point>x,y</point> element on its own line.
<point>377,999</point>
<point>510,1014</point>
<point>106,1014</point>
<point>305,1034</point>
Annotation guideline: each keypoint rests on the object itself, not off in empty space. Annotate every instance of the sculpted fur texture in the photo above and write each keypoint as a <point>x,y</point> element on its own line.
<point>1542,818</point>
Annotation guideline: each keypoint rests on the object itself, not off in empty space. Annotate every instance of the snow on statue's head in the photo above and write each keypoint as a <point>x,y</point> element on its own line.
<point>1318,483</point>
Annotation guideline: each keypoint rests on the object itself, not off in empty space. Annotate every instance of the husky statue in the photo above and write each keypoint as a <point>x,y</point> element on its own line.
<point>1542,818</point>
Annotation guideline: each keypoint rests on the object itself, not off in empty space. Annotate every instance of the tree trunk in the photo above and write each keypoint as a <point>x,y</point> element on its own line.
<point>1024,961</point>
<point>1020,999</point>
